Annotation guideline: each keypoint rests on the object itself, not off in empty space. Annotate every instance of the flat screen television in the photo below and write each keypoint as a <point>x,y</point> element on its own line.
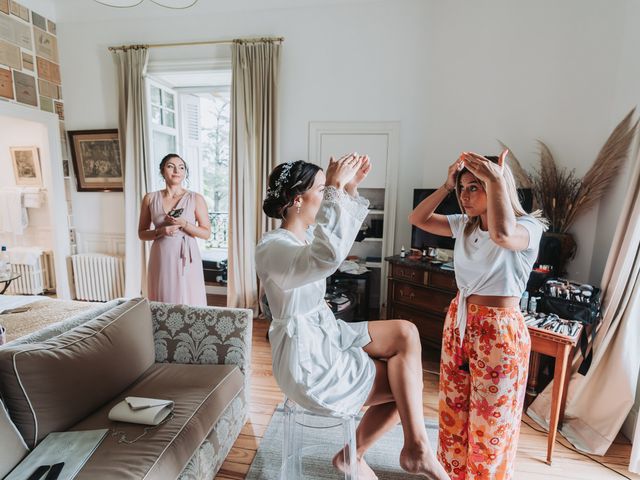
<point>422,240</point>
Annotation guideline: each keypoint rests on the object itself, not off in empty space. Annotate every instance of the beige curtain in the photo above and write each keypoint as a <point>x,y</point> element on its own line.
<point>254,147</point>
<point>132,64</point>
<point>598,403</point>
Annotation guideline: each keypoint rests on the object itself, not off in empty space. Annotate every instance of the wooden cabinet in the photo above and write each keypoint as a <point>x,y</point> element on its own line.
<point>421,293</point>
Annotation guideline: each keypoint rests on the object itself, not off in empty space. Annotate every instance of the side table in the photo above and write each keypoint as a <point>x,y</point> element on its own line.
<point>6,281</point>
<point>557,346</point>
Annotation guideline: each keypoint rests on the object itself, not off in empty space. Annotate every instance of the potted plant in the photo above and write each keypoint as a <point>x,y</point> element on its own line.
<point>563,196</point>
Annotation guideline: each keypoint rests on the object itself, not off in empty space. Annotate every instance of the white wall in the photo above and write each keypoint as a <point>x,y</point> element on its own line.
<point>626,95</point>
<point>22,133</point>
<point>520,71</point>
<point>458,75</point>
<point>339,63</point>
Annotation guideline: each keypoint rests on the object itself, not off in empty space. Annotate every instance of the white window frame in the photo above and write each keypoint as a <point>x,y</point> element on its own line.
<point>154,158</point>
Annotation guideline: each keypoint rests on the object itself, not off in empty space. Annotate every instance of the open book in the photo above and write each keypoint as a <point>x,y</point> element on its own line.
<point>72,448</point>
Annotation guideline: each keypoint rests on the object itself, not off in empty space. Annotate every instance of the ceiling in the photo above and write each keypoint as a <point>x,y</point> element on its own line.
<point>89,10</point>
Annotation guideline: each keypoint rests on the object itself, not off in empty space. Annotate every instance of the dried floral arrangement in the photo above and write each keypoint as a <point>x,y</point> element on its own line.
<point>560,193</point>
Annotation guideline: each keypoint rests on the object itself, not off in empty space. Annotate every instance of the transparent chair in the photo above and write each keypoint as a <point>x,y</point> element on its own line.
<point>292,447</point>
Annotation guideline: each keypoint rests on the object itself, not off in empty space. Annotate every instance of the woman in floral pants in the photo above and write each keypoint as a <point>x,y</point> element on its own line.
<point>482,387</point>
<point>485,345</point>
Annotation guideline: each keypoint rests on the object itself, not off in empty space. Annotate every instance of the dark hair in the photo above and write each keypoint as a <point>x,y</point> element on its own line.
<point>168,157</point>
<point>283,191</point>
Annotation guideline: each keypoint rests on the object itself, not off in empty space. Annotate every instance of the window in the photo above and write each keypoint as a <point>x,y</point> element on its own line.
<point>163,110</point>
<point>164,134</point>
<point>194,122</point>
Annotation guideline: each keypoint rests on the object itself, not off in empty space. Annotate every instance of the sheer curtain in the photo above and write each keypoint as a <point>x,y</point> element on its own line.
<point>254,145</point>
<point>598,403</point>
<point>132,64</point>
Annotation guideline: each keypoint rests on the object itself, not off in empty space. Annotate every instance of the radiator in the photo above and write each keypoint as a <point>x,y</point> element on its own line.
<point>97,277</point>
<point>34,279</point>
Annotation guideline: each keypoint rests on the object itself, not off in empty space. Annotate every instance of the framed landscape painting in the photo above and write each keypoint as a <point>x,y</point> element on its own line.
<point>96,160</point>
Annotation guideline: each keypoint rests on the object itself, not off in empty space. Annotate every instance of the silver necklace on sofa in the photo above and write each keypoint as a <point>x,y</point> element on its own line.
<point>122,435</point>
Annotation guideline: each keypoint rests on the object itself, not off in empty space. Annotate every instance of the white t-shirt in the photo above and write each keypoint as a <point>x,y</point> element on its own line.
<point>484,268</point>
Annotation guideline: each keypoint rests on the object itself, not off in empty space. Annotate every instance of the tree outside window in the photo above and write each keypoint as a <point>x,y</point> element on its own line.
<point>215,137</point>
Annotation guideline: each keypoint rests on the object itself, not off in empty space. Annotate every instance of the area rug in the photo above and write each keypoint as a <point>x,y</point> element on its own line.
<point>324,443</point>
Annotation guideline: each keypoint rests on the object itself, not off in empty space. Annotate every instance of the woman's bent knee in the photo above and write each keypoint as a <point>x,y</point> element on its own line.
<point>390,337</point>
<point>408,332</point>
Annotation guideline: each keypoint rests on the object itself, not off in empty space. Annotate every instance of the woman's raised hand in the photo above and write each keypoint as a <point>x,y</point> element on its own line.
<point>361,174</point>
<point>484,169</point>
<point>342,171</point>
<point>454,168</point>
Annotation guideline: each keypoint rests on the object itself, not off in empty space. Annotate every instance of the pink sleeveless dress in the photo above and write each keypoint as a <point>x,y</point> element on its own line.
<point>175,267</point>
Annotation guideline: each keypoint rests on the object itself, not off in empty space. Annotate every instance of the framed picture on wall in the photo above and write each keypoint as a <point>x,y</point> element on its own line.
<point>26,166</point>
<point>96,160</point>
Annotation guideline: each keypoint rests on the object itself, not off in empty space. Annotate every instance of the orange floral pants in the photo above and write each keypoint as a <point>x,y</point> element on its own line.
<point>482,387</point>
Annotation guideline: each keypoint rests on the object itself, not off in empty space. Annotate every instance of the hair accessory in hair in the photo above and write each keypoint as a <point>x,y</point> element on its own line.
<point>282,179</point>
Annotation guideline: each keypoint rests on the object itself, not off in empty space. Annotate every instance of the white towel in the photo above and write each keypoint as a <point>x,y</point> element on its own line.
<point>13,215</point>
<point>25,255</point>
<point>33,199</point>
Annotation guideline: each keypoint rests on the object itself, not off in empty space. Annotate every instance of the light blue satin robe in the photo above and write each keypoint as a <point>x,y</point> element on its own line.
<point>318,361</point>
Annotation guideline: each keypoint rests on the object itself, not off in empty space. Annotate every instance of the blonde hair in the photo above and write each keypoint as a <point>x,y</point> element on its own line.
<point>512,193</point>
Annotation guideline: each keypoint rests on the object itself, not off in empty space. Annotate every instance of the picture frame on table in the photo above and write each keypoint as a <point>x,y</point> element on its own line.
<point>26,166</point>
<point>96,160</point>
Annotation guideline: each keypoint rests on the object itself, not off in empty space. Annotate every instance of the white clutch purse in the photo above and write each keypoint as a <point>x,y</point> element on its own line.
<point>145,411</point>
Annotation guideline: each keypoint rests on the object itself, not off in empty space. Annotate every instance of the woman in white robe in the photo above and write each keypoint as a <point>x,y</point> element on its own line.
<point>323,364</point>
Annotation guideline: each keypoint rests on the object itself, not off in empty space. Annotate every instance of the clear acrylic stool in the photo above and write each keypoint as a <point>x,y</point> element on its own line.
<point>292,450</point>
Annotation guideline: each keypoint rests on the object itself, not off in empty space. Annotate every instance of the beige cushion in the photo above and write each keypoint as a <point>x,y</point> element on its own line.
<point>52,385</point>
<point>12,447</point>
<point>201,394</point>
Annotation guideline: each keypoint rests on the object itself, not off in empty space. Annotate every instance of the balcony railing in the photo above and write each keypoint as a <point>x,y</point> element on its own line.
<point>219,230</point>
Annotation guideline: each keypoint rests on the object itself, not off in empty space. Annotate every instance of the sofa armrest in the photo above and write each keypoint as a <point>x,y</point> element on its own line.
<point>202,335</point>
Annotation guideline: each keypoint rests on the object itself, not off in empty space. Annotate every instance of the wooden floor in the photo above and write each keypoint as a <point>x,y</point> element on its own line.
<point>567,464</point>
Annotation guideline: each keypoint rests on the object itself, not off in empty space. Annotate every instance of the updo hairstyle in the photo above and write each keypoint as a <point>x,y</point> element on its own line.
<point>286,182</point>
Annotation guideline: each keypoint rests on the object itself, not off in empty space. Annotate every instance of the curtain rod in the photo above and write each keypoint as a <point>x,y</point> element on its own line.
<point>210,42</point>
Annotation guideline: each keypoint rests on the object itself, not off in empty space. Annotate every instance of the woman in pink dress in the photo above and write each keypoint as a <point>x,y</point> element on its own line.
<point>178,216</point>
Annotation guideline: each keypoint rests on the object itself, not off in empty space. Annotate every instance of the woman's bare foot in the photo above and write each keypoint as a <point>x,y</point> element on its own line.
<point>422,461</point>
<point>364,470</point>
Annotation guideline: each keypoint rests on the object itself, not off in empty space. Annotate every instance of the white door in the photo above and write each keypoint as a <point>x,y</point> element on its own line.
<point>376,145</point>
<point>379,140</point>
